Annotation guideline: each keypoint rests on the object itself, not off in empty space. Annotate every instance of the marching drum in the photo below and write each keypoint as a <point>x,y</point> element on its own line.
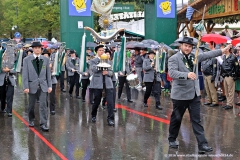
<point>132,80</point>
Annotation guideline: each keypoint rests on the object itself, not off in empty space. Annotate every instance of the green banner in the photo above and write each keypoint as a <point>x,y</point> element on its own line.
<point>117,8</point>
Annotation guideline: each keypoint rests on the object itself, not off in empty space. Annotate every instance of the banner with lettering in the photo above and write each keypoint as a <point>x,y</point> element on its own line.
<point>166,8</point>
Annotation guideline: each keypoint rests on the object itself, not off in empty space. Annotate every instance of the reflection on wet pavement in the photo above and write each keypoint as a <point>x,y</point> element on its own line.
<point>139,133</point>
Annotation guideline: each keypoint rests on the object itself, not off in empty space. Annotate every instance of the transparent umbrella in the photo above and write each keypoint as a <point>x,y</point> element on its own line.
<point>91,44</point>
<point>150,42</point>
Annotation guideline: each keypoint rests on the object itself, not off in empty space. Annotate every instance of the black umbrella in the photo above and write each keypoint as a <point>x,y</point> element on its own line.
<point>175,44</point>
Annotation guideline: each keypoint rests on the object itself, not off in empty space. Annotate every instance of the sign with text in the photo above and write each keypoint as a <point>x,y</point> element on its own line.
<point>79,7</point>
<point>127,15</point>
<point>166,8</point>
<point>17,35</point>
<point>117,8</point>
<point>80,24</point>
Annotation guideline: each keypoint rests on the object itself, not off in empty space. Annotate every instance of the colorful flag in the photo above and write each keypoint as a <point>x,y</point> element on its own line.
<point>122,56</point>
<point>189,12</point>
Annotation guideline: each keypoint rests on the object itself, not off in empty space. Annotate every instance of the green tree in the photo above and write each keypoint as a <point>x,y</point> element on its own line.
<point>33,18</point>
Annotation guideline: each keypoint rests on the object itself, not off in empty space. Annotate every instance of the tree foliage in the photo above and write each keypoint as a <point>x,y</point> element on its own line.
<point>33,18</point>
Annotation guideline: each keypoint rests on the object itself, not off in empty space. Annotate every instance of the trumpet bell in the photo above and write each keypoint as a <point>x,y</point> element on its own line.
<point>103,66</point>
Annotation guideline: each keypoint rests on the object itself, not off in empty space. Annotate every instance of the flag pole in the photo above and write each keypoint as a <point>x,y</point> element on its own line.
<point>199,40</point>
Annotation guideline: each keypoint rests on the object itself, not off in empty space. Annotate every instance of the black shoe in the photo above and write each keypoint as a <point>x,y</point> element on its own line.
<point>63,90</point>
<point>70,95</point>
<point>52,112</point>
<point>83,100</point>
<point>207,103</point>
<point>31,124</point>
<point>114,110</point>
<point>238,104</point>
<point>44,128</point>
<point>94,119</point>
<point>214,105</point>
<point>173,144</point>
<point>145,105</point>
<point>130,101</point>
<point>204,148</point>
<point>92,102</point>
<point>228,107</point>
<point>110,122</point>
<point>9,114</point>
<point>223,98</point>
<point>78,97</point>
<point>224,107</point>
<point>3,111</point>
<point>159,107</point>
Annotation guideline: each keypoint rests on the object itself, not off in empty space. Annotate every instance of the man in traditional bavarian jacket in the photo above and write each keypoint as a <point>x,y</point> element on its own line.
<point>62,72</point>
<point>37,81</point>
<point>229,73</point>
<point>72,65</point>
<point>101,80</point>
<point>185,92</point>
<point>152,80</point>
<point>209,69</point>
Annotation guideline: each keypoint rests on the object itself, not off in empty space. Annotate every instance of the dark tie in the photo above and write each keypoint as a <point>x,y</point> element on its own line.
<point>37,62</point>
<point>73,61</point>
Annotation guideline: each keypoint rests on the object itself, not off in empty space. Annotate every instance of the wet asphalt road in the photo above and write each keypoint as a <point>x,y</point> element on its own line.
<point>139,133</point>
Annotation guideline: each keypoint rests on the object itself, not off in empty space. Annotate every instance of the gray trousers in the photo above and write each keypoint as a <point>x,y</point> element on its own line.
<point>139,74</point>
<point>43,109</point>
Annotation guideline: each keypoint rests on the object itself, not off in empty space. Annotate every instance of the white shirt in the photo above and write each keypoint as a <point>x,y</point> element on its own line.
<point>35,56</point>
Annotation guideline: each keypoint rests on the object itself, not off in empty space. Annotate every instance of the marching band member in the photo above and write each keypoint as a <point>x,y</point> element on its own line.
<point>185,92</point>
<point>152,80</point>
<point>62,73</point>
<point>72,66</point>
<point>36,75</point>
<point>54,50</point>
<point>54,83</point>
<point>85,80</point>
<point>67,51</point>
<point>101,80</point>
<point>122,78</point>
<point>108,53</point>
<point>7,84</point>
<point>138,62</point>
